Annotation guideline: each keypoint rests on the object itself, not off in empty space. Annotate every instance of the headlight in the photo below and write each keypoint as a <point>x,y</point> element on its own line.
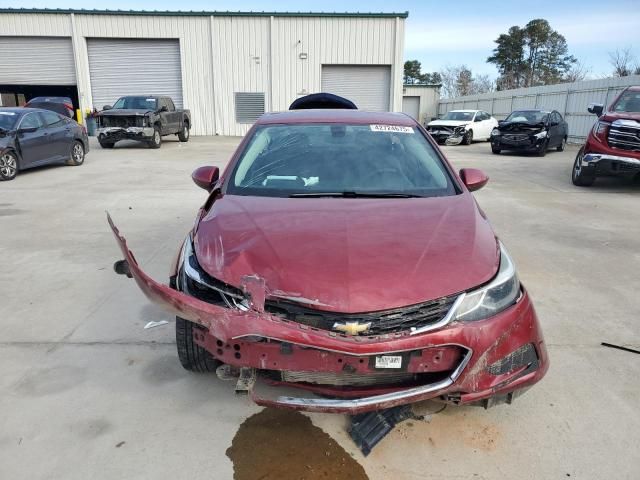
<point>541,134</point>
<point>495,132</point>
<point>497,295</point>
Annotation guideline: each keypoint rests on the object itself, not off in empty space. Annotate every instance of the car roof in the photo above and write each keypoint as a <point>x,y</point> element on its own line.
<point>532,110</point>
<point>465,110</point>
<point>21,109</point>
<point>49,99</point>
<point>329,115</point>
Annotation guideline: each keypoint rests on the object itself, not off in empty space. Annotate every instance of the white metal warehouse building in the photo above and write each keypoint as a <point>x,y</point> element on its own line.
<point>226,67</point>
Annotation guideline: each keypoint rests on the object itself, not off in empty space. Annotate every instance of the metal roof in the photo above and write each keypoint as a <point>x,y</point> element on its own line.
<point>192,13</point>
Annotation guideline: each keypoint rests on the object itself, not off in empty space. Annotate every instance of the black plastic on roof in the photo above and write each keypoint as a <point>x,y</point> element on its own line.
<point>204,13</point>
<point>322,100</point>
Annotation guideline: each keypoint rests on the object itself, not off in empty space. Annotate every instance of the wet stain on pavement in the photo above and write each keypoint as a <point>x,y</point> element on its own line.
<point>8,212</point>
<point>162,370</point>
<point>47,381</point>
<point>285,445</point>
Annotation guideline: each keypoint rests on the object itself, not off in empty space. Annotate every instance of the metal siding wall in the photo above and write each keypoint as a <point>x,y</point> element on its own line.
<point>205,64</point>
<point>120,67</point>
<point>241,62</point>
<point>193,34</point>
<point>429,97</point>
<point>37,61</point>
<point>570,99</point>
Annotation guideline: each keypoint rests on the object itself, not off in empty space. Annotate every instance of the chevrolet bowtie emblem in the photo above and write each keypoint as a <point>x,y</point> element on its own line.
<point>351,328</point>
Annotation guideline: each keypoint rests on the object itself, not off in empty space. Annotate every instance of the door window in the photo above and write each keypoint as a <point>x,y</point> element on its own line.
<point>170,105</point>
<point>31,120</point>
<point>51,119</point>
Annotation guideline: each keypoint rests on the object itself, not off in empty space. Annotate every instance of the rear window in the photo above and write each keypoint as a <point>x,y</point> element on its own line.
<point>281,160</point>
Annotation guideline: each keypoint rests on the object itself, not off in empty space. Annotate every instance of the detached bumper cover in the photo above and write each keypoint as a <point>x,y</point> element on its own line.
<point>257,339</point>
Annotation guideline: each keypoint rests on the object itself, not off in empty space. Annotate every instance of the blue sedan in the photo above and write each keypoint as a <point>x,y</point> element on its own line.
<point>31,137</point>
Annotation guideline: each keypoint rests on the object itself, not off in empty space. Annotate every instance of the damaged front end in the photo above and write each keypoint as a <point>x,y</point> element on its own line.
<point>293,355</point>
<point>112,128</point>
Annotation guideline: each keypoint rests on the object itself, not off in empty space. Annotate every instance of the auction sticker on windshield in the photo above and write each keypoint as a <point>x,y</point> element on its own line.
<point>389,361</point>
<point>391,128</point>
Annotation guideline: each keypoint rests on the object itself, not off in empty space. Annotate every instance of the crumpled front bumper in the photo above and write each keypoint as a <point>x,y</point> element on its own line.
<point>121,133</point>
<point>257,339</point>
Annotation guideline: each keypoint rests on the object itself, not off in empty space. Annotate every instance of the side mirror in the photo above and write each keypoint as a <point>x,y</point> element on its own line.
<point>27,130</point>
<point>206,177</point>
<point>595,108</point>
<point>553,124</point>
<point>473,178</point>
<point>163,109</point>
<point>107,107</point>
<point>477,119</point>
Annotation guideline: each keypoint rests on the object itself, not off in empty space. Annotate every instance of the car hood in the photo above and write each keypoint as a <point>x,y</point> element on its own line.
<point>349,255</point>
<point>117,112</point>
<point>613,116</point>
<point>447,123</point>
<point>522,127</point>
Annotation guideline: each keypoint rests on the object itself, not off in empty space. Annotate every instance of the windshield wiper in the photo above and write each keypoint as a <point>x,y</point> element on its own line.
<point>353,195</point>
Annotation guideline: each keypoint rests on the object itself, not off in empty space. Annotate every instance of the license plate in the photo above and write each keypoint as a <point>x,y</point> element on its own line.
<point>389,361</point>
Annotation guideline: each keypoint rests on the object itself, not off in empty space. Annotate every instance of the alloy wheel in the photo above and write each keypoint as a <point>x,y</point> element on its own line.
<point>78,153</point>
<point>8,166</point>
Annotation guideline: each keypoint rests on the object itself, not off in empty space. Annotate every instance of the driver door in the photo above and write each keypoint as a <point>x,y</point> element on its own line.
<point>33,141</point>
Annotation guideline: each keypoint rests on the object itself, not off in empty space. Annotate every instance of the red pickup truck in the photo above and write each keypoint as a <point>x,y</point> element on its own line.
<point>613,144</point>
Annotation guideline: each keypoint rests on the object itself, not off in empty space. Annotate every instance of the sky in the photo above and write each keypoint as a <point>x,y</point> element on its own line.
<point>439,32</point>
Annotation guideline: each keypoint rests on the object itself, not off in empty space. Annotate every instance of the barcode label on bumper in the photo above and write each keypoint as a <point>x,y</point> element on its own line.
<point>389,361</point>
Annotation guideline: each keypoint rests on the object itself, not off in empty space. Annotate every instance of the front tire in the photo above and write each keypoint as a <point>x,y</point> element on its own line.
<point>542,151</point>
<point>183,136</point>
<point>106,144</point>
<point>192,356</point>
<point>76,156</point>
<point>579,176</point>
<point>8,166</point>
<point>468,138</point>
<point>495,150</point>
<point>156,140</point>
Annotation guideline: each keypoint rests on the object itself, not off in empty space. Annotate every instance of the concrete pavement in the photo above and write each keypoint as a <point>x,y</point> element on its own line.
<point>85,392</point>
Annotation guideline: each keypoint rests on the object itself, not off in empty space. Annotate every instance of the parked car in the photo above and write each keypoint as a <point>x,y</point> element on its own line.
<point>339,264</point>
<point>61,105</point>
<point>613,144</point>
<point>530,131</point>
<point>32,137</point>
<point>462,126</point>
<point>145,118</point>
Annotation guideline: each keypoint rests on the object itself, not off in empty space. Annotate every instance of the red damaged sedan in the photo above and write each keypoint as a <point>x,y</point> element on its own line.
<point>339,264</point>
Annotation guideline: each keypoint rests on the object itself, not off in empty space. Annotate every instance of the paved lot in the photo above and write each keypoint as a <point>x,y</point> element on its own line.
<point>85,392</point>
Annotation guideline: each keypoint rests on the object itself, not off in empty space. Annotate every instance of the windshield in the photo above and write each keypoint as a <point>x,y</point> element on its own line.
<point>528,116</point>
<point>628,102</point>
<point>464,116</point>
<point>7,120</point>
<point>136,103</point>
<point>284,160</point>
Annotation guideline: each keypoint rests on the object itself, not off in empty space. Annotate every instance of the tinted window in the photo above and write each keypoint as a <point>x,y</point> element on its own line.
<point>528,116</point>
<point>281,160</point>
<point>51,119</point>
<point>7,120</point>
<point>31,120</point>
<point>136,103</point>
<point>170,105</point>
<point>628,102</point>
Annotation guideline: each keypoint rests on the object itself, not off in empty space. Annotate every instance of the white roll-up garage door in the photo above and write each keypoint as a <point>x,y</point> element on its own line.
<point>120,67</point>
<point>368,86</point>
<point>36,61</point>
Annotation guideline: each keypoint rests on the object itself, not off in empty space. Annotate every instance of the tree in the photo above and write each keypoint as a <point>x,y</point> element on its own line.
<point>459,80</point>
<point>530,56</point>
<point>577,73</point>
<point>624,62</point>
<point>413,74</point>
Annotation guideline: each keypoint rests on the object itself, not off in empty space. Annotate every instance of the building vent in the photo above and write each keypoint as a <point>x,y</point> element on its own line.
<point>249,106</point>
